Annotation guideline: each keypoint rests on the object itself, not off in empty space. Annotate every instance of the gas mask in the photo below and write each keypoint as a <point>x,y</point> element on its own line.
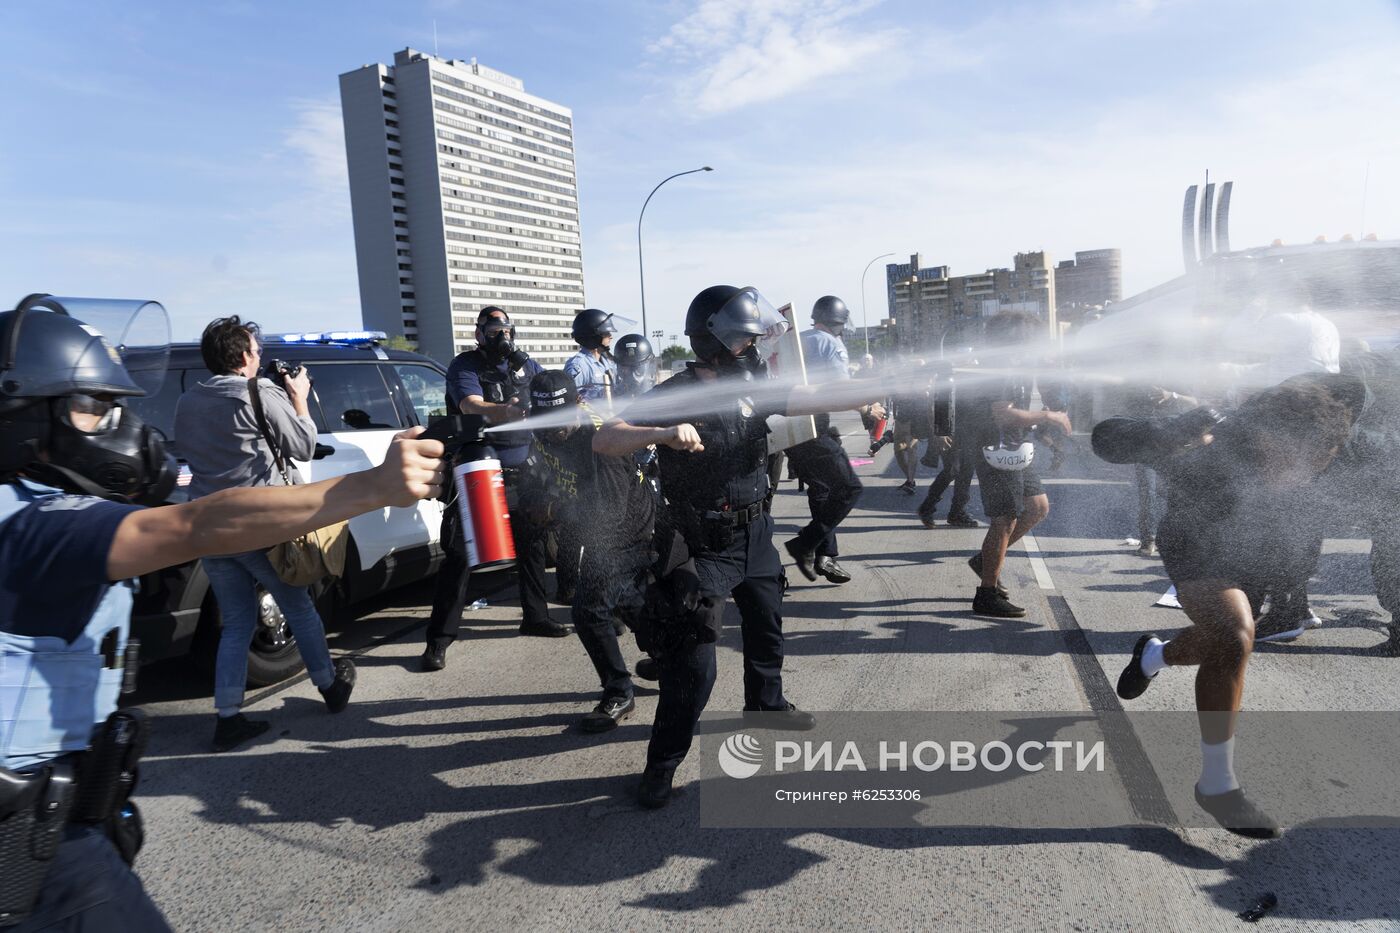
<point>123,457</point>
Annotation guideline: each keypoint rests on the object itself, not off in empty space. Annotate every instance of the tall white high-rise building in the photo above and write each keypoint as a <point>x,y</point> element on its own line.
<point>463,192</point>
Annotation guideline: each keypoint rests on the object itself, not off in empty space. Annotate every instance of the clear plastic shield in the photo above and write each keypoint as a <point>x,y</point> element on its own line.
<point>138,330</point>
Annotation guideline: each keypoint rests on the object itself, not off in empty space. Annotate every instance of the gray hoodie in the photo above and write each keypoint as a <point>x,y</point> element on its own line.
<point>217,434</point>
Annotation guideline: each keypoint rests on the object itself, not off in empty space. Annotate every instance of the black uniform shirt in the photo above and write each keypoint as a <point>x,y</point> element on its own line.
<point>732,470</point>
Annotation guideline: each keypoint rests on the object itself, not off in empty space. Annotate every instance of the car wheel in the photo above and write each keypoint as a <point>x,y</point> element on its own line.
<point>273,655</point>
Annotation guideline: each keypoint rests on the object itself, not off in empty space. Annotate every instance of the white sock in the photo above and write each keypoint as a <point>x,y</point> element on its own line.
<point>1152,660</point>
<point>1218,769</point>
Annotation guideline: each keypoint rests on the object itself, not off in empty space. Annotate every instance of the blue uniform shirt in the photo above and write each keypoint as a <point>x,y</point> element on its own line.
<point>591,376</point>
<point>825,356</point>
<point>471,373</point>
<point>58,616</point>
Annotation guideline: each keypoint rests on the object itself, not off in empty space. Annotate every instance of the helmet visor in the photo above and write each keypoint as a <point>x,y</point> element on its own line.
<point>746,319</point>
<point>139,331</point>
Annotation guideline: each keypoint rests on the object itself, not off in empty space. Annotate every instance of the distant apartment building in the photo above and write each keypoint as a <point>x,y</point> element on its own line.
<point>928,304</point>
<point>464,194</point>
<point>1091,279</point>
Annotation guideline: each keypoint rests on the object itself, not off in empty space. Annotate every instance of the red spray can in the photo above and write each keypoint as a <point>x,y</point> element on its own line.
<point>481,495</point>
<point>878,432</point>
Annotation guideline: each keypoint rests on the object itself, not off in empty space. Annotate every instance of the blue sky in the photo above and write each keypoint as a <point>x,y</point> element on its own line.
<point>192,153</point>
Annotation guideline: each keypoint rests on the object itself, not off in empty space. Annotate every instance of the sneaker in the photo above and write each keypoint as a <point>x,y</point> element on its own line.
<point>834,572</point>
<point>909,487</point>
<point>649,669</point>
<point>962,520</point>
<point>434,657</point>
<point>975,562</point>
<point>926,515</point>
<point>607,714</point>
<point>337,695</point>
<point>654,792</point>
<point>989,602</point>
<point>1133,683</point>
<point>1148,548</point>
<point>545,628</point>
<point>1282,624</point>
<point>1237,813</point>
<point>232,731</point>
<point>806,560</point>
<point>789,719</point>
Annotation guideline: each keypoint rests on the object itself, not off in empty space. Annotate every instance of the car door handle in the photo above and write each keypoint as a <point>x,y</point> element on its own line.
<point>322,451</point>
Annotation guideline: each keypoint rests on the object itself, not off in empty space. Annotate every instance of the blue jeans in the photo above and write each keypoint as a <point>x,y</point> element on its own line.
<point>234,579</point>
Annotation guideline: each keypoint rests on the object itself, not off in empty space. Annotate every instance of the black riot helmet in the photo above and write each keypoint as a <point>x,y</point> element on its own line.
<point>733,328</point>
<point>58,372</point>
<point>636,364</point>
<point>831,312</point>
<point>592,328</point>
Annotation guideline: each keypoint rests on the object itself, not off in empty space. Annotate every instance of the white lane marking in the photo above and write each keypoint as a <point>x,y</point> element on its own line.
<point>1038,565</point>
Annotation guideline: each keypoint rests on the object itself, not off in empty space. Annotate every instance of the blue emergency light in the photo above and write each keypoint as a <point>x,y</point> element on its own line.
<point>332,336</point>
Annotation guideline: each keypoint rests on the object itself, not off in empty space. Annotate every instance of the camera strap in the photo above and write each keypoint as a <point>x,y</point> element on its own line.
<point>255,396</point>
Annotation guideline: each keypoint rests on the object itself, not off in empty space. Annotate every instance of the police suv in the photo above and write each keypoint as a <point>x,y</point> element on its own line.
<point>362,394</point>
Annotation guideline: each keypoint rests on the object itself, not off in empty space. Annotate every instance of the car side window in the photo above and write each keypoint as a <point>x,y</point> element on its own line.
<point>158,410</point>
<point>351,397</point>
<point>427,390</point>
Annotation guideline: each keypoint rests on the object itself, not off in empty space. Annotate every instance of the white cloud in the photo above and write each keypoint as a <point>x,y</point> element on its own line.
<point>316,141</point>
<point>741,52</point>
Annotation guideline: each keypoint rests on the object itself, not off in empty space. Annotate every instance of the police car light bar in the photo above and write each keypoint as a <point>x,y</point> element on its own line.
<point>332,336</point>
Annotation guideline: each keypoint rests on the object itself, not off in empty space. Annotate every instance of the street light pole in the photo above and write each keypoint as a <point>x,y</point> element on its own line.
<point>865,318</point>
<point>641,272</point>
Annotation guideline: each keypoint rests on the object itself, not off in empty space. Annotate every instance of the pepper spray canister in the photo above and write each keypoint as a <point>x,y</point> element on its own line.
<point>481,503</point>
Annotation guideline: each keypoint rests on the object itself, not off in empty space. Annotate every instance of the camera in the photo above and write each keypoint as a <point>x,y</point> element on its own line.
<point>279,371</point>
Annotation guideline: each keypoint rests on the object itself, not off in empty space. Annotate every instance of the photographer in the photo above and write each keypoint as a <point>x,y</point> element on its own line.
<point>76,467</point>
<point>228,443</point>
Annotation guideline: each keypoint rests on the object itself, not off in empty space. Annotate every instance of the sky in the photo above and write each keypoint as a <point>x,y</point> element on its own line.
<point>193,153</point>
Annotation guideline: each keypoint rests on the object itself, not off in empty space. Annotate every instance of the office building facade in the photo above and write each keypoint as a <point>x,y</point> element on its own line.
<point>1092,279</point>
<point>931,307</point>
<point>464,194</point>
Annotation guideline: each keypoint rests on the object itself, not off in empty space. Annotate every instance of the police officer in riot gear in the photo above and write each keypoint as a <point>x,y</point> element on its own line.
<point>636,366</point>
<point>492,381</point>
<point>76,469</point>
<point>592,367</point>
<point>821,464</point>
<point>714,480</point>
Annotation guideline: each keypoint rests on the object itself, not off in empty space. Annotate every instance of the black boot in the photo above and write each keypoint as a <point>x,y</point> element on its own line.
<point>806,560</point>
<point>654,792</point>
<point>337,695</point>
<point>649,669</point>
<point>989,602</point>
<point>434,657</point>
<point>606,715</point>
<point>232,731</point>
<point>545,628</point>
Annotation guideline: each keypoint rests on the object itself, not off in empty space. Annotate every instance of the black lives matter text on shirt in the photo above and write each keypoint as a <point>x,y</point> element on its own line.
<point>604,499</point>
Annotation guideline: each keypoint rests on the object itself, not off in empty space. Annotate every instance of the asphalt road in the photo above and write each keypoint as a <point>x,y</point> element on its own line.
<point>468,799</point>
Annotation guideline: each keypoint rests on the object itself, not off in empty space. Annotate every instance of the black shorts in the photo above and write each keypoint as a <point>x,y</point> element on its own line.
<point>1004,492</point>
